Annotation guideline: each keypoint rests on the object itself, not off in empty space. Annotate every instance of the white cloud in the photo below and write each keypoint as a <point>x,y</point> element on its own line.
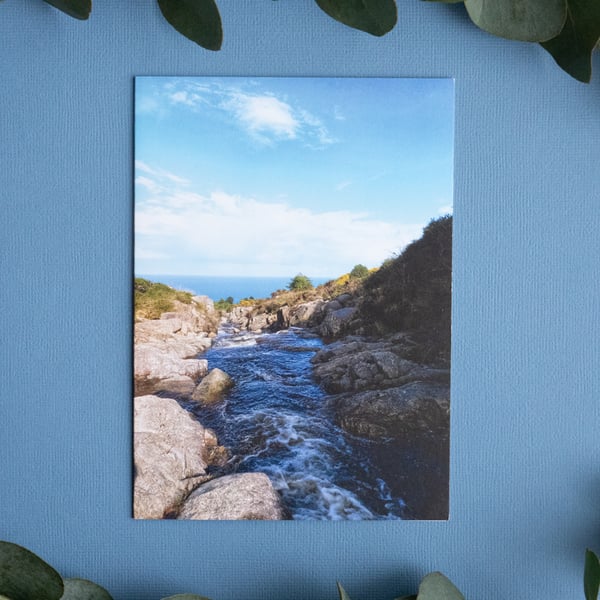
<point>182,232</point>
<point>445,210</point>
<point>183,97</point>
<point>160,173</point>
<point>263,116</point>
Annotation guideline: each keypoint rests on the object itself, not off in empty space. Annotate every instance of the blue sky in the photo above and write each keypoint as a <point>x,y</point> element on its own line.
<point>276,176</point>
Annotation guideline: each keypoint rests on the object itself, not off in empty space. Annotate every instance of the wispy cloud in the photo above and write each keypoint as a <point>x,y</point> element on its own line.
<point>342,185</point>
<point>160,173</point>
<point>266,117</point>
<point>181,231</point>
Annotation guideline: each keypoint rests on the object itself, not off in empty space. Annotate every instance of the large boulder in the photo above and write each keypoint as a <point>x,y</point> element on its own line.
<point>242,496</point>
<point>212,388</point>
<point>261,321</point>
<point>167,348</point>
<point>416,408</point>
<point>169,456</point>
<point>335,321</point>
<point>307,314</point>
<point>239,316</point>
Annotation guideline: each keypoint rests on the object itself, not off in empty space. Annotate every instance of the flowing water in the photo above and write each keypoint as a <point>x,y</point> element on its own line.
<point>276,421</point>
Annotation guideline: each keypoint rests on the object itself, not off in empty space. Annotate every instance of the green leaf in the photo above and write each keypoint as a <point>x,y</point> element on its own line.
<point>185,597</point>
<point>198,20</point>
<point>591,576</point>
<point>572,48</point>
<point>376,17</point>
<point>437,586</point>
<point>529,21</point>
<point>82,589</point>
<point>342,591</point>
<point>78,9</point>
<point>24,576</point>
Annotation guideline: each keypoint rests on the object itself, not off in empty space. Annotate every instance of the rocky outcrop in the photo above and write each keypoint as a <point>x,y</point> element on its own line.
<point>173,451</point>
<point>171,455</point>
<point>165,349</point>
<point>240,496</point>
<point>326,317</point>
<point>336,320</point>
<point>355,364</point>
<point>380,394</point>
<point>410,410</point>
<point>212,387</point>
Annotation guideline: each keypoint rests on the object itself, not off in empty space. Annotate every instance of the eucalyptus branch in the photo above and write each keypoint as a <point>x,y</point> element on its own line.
<point>568,29</point>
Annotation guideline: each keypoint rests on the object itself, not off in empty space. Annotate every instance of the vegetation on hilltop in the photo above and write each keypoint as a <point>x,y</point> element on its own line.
<point>300,282</point>
<point>359,272</point>
<point>151,299</point>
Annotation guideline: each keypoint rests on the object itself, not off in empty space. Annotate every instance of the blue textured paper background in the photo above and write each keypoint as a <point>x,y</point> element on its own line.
<point>525,486</point>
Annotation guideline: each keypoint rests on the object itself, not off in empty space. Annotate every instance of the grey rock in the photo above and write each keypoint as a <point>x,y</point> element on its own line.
<point>242,496</point>
<point>157,329</point>
<point>261,321</point>
<point>169,456</point>
<point>355,364</point>
<point>212,388</point>
<point>344,299</point>
<point>333,305</point>
<point>334,321</point>
<point>154,361</point>
<point>415,408</point>
<point>180,386</point>
<point>307,314</point>
<point>167,348</point>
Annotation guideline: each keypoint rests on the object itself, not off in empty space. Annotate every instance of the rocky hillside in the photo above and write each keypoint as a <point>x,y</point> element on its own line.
<point>412,293</point>
<point>175,456</point>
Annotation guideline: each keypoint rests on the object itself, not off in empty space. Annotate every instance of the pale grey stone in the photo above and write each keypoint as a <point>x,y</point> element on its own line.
<point>242,496</point>
<point>168,455</point>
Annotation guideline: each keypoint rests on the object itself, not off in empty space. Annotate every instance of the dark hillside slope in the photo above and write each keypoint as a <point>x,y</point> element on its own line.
<point>412,293</point>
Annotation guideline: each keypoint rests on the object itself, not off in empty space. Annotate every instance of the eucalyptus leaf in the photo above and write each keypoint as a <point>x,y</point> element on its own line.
<point>376,17</point>
<point>24,576</point>
<point>436,586</point>
<point>198,20</point>
<point>528,21</point>
<point>572,48</point>
<point>591,576</point>
<point>82,589</point>
<point>78,9</point>
<point>342,591</point>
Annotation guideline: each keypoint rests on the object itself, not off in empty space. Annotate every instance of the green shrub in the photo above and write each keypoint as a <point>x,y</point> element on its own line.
<point>359,272</point>
<point>151,299</point>
<point>225,304</point>
<point>300,282</point>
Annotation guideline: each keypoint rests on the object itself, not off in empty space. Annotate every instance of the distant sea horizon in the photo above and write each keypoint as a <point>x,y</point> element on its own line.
<point>222,287</point>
